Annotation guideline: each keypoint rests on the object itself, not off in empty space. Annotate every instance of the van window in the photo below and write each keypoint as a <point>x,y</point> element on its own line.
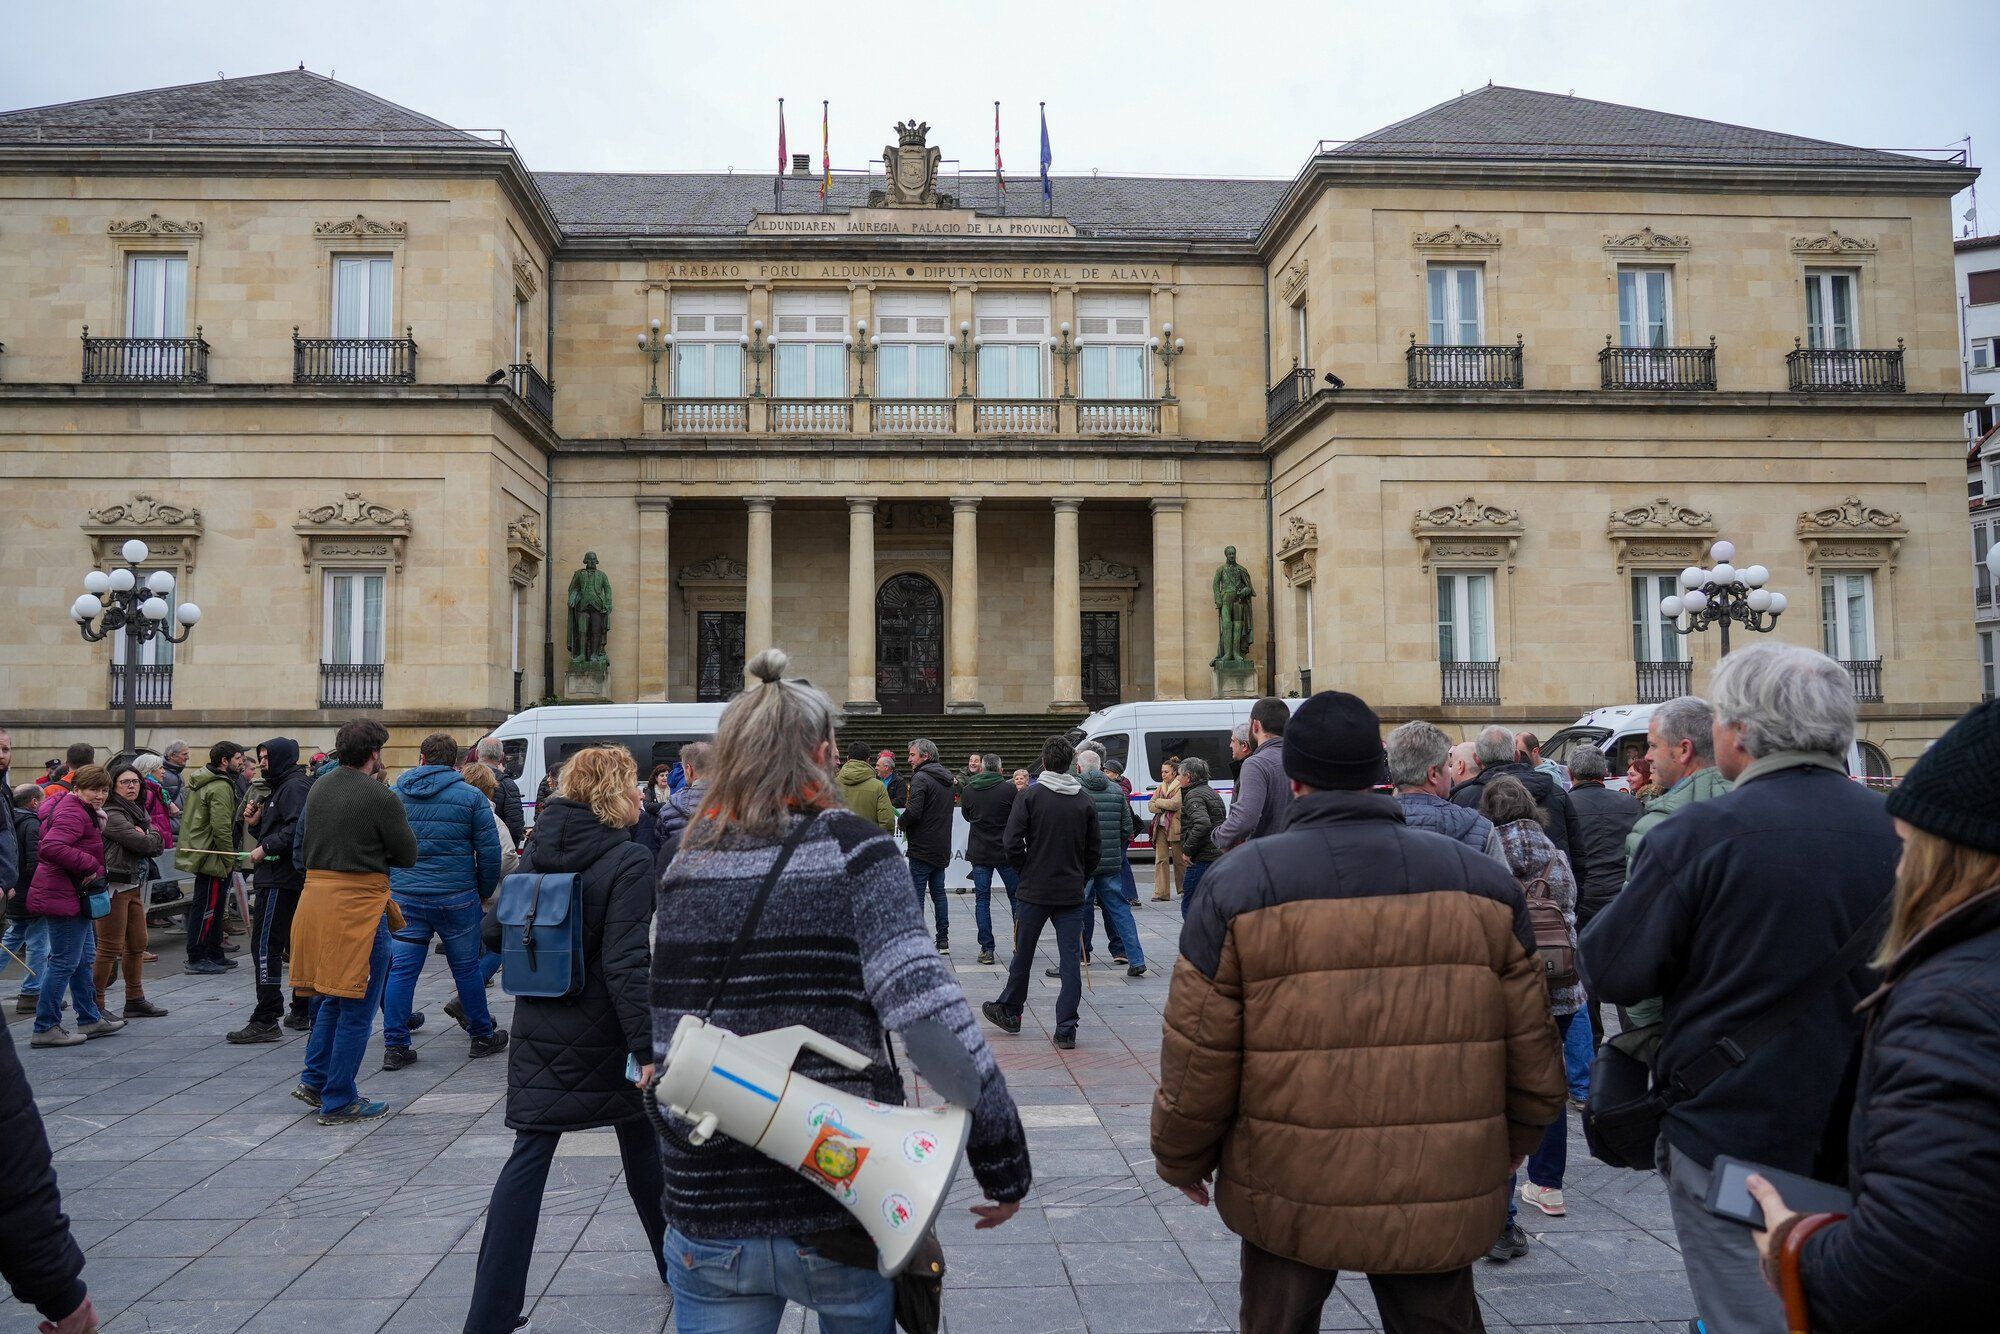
<point>1566,742</point>
<point>1629,748</point>
<point>1210,746</point>
<point>647,751</point>
<point>1117,746</point>
<point>514,751</point>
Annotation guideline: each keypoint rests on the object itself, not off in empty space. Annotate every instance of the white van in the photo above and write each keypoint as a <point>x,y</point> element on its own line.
<point>1139,736</point>
<point>539,739</point>
<point>1620,732</point>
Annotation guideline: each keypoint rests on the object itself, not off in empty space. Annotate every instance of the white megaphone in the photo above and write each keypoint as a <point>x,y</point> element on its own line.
<point>888,1166</point>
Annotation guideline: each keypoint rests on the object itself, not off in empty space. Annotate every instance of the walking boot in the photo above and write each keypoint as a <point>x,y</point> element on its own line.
<point>396,1058</point>
<point>255,1032</point>
<point>491,1045</point>
<point>138,1007</point>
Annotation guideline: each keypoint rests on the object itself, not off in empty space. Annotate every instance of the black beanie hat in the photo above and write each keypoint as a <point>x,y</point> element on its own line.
<point>1950,790</point>
<point>1334,741</point>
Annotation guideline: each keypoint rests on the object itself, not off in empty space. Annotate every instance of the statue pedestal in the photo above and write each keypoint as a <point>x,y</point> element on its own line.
<point>1236,680</point>
<point>586,686</point>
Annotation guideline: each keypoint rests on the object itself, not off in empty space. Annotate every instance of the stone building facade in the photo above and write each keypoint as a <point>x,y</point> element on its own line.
<point>1458,395</point>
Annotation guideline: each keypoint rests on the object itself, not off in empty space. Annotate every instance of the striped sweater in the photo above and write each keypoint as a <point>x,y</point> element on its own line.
<point>841,948</point>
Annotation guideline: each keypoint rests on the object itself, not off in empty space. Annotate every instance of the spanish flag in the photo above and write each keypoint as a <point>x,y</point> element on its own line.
<point>825,154</point>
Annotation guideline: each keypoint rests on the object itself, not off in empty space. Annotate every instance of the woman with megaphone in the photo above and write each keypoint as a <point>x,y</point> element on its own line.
<point>785,909</point>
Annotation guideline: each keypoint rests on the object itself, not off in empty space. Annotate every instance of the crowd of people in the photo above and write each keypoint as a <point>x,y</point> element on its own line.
<point>1399,958</point>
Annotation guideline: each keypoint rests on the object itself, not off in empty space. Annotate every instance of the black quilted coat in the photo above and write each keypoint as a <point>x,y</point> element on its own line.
<point>566,1062</point>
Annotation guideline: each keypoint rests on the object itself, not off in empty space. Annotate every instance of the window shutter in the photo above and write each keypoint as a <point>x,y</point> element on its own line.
<point>1983,288</point>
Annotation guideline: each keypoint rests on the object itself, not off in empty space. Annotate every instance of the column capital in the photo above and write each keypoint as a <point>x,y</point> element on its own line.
<point>760,504</point>
<point>1067,504</point>
<point>965,502</point>
<point>656,502</point>
<point>861,504</point>
<point>1174,506</point>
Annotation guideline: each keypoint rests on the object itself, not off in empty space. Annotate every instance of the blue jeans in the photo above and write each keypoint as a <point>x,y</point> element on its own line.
<point>1579,1050</point>
<point>1110,896</point>
<point>340,1027</point>
<point>453,918</point>
<point>740,1286</point>
<point>982,900</point>
<point>1547,1163</point>
<point>72,956</point>
<point>1189,879</point>
<point>30,940</point>
<point>489,964</point>
<point>925,876</point>
<point>1128,883</point>
<point>1068,923</point>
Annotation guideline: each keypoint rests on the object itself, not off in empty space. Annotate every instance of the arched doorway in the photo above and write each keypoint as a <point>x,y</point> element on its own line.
<point>909,645</point>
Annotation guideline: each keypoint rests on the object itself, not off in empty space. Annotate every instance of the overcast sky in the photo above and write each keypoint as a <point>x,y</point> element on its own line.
<point>1171,87</point>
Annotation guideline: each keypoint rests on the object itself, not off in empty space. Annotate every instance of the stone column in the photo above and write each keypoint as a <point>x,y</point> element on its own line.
<point>1169,602</point>
<point>1067,637</point>
<point>861,605</point>
<point>962,671</point>
<point>757,581</point>
<point>653,614</point>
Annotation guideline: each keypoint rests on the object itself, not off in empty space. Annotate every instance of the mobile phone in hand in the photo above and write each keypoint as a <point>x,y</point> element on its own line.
<point>1729,1197</point>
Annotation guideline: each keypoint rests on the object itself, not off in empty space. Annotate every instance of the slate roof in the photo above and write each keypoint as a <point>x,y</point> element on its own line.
<point>288,107</point>
<point>626,204</point>
<point>1518,123</point>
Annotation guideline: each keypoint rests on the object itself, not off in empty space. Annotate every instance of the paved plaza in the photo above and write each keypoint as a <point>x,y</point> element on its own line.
<point>208,1201</point>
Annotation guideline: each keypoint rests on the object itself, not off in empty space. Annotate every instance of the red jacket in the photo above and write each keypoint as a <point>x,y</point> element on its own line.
<point>154,798</point>
<point>70,854</point>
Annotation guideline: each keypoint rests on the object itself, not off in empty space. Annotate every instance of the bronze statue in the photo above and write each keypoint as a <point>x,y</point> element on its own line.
<point>1233,594</point>
<point>589,616</point>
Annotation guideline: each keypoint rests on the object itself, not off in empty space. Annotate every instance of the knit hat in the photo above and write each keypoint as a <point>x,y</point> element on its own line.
<point>1950,790</point>
<point>1334,741</point>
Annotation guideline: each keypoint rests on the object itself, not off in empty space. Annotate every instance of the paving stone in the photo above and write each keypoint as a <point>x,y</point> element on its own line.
<point>1153,1308</point>
<point>322,1317</point>
<point>214,1276</point>
<point>381,1273</point>
<point>150,1317</point>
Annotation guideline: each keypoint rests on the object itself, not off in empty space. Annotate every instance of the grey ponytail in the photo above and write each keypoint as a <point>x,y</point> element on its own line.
<point>766,766</point>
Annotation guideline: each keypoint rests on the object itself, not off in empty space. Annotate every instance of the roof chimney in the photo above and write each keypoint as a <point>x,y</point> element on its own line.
<point>802,164</point>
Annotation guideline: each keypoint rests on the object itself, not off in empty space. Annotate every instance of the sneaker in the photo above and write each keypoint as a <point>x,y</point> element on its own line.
<point>203,968</point>
<point>415,1021</point>
<point>26,1004</point>
<point>1136,970</point>
<point>310,1097</point>
<point>226,963</point>
<point>141,1008</point>
<point>944,949</point>
<point>489,1046</point>
<point>1120,959</point>
<point>231,947</point>
<point>148,956</point>
<point>999,1018</point>
<point>1066,1041</point>
<point>397,1058</point>
<point>255,1032</point>
<point>103,1028</point>
<point>57,1037</point>
<point>361,1109</point>
<point>961,891</point>
<point>1549,1199</point>
<point>457,1013</point>
<point>299,1021</point>
<point>986,956</point>
<point>1513,1244</point>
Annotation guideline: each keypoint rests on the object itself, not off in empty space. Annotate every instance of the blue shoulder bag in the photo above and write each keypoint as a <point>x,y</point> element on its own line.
<point>541,935</point>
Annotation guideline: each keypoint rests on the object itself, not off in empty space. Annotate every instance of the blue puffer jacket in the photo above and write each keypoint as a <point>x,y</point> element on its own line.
<point>457,845</point>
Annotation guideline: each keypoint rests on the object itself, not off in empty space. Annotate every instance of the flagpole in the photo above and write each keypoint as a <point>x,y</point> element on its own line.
<point>999,170</point>
<point>1048,190</point>
<point>825,154</point>
<point>778,185</point>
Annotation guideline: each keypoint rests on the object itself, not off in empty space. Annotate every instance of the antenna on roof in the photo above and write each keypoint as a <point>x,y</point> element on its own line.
<point>220,75</point>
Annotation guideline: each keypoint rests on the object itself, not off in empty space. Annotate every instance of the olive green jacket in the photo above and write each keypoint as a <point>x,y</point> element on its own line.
<point>207,844</point>
<point>1700,785</point>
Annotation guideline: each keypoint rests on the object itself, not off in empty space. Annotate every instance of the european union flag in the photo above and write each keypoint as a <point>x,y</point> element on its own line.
<point>1048,190</point>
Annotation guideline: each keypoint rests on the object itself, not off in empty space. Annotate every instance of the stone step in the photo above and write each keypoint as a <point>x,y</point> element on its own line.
<point>1016,737</point>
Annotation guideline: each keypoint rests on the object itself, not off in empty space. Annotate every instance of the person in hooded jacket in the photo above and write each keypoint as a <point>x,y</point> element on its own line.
<point>278,881</point>
<point>206,849</point>
<point>682,805</point>
<point>926,822</point>
<point>567,1065</point>
<point>1115,828</point>
<point>865,794</point>
<point>457,870</point>
<point>154,794</point>
<point>987,802</point>
<point>129,840</point>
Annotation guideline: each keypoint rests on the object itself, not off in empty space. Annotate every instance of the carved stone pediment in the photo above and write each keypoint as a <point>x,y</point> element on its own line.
<point>714,570</point>
<point>353,530</point>
<point>363,228</point>
<point>1851,533</point>
<point>1832,243</point>
<point>1293,279</point>
<point>1851,516</point>
<point>1098,570</point>
<point>524,549</point>
<point>1660,535</point>
<point>524,277</point>
<point>1663,516</point>
<point>910,167</point>
<point>1456,237</point>
<point>1299,536</point>
<point>154,225</point>
<point>715,584</point>
<point>1646,241</point>
<point>1469,532</point>
<point>171,532</point>
<point>144,512</point>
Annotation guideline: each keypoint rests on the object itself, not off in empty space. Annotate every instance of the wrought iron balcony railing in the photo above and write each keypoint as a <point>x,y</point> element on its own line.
<point>1445,366</point>
<point>1118,417</point>
<point>350,685</point>
<point>811,416</point>
<point>1820,370</point>
<point>1019,416</point>
<point>1291,390</point>
<point>145,360</point>
<point>1657,367</point>
<point>1867,674</point>
<point>1662,681</point>
<point>353,360</point>
<point>913,416</point>
<point>705,416</point>
<point>529,386</point>
<point>1470,682</point>
<point>154,685</point>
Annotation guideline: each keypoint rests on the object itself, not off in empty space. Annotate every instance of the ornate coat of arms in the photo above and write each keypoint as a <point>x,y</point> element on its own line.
<point>911,168</point>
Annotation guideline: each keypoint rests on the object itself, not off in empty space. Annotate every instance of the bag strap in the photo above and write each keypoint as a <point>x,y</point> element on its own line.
<point>792,841</point>
<point>1730,1052</point>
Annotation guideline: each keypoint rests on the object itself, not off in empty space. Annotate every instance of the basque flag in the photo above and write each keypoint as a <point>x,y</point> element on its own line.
<point>999,172</point>
<point>1048,190</point>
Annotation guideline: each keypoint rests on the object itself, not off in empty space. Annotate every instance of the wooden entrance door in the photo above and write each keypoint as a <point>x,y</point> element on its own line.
<point>909,645</point>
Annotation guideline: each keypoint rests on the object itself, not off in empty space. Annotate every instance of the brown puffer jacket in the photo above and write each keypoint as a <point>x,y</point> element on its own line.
<point>1358,1037</point>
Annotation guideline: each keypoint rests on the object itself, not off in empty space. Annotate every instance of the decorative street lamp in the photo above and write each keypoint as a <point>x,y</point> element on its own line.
<point>1168,347</point>
<point>117,602</point>
<point>758,350</point>
<point>962,344</point>
<point>863,347</point>
<point>1065,350</point>
<point>654,343</point>
<point>1723,594</point>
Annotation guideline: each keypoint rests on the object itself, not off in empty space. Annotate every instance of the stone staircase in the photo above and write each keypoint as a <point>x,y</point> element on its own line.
<point>1016,737</point>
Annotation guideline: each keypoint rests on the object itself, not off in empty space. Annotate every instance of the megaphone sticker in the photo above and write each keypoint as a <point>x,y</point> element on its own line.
<point>919,1145</point>
<point>835,1157</point>
<point>898,1210</point>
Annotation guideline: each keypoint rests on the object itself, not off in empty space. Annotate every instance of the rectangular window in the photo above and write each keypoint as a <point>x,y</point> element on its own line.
<point>811,354</point>
<point>156,296</point>
<point>1830,321</point>
<point>1011,332</point>
<point>1985,353</point>
<point>1847,615</point>
<point>1301,343</point>
<point>1465,616</point>
<point>520,321</point>
<point>514,629</point>
<point>1982,288</point>
<point>1644,307</point>
<point>1986,663</point>
<point>709,336</point>
<point>1114,362</point>
<point>351,624</point>
<point>363,305</point>
<point>913,360</point>
<point>1457,304</point>
<point>1653,636</point>
<point>1983,537</point>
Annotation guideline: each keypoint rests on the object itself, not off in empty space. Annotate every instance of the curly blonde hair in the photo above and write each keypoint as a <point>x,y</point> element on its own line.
<point>605,778</point>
